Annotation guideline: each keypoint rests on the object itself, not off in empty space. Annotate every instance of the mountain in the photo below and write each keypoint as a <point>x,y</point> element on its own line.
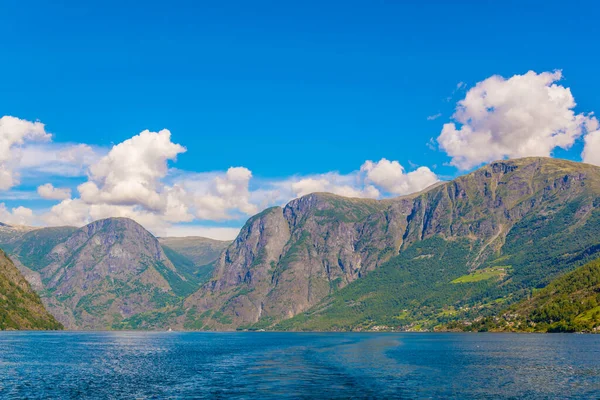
<point>193,254</point>
<point>570,303</point>
<point>10,233</point>
<point>460,249</point>
<point>112,273</point>
<point>107,274</point>
<point>464,250</point>
<point>20,306</point>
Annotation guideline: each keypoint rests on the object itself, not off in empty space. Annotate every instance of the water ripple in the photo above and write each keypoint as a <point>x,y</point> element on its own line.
<point>138,365</point>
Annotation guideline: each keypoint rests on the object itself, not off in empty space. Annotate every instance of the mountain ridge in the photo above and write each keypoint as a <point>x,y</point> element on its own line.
<point>326,241</point>
<point>102,275</point>
<point>458,250</point>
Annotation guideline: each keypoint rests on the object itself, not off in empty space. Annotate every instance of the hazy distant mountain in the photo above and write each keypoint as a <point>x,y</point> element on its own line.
<point>461,249</point>
<point>199,250</point>
<point>20,306</point>
<point>10,233</point>
<point>194,254</point>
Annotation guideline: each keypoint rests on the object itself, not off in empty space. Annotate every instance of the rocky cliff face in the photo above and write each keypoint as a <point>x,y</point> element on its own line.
<point>112,273</point>
<point>20,306</point>
<point>286,261</point>
<point>456,250</point>
<point>487,203</point>
<point>104,273</point>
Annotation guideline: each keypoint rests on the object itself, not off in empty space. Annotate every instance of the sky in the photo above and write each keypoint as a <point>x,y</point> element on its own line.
<point>191,116</point>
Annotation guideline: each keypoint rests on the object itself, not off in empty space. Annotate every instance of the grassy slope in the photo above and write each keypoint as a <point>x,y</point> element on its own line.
<point>409,290</point>
<point>570,303</point>
<point>414,290</point>
<point>20,306</point>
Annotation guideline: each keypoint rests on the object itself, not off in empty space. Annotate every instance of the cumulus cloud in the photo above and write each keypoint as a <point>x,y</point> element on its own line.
<point>72,212</point>
<point>221,196</point>
<point>525,115</point>
<point>434,117</point>
<point>279,192</point>
<point>133,179</point>
<point>16,216</point>
<point>15,132</point>
<point>127,182</point>
<point>76,212</point>
<point>130,173</point>
<point>591,150</point>
<point>331,183</point>
<point>373,180</point>
<point>48,191</point>
<point>391,177</point>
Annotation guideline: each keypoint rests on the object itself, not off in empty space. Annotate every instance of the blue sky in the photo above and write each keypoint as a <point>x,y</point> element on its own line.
<point>286,90</point>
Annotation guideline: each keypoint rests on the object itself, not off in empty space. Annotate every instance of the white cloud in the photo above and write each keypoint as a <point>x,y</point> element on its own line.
<point>76,212</point>
<point>525,115</point>
<point>373,180</point>
<point>133,179</point>
<point>57,159</point>
<point>279,192</point>
<point>127,182</point>
<point>72,212</point>
<point>331,183</point>
<point>222,196</point>
<point>434,117</point>
<point>391,177</point>
<point>591,150</point>
<point>48,191</point>
<point>14,194</point>
<point>130,174</point>
<point>16,216</point>
<point>15,132</point>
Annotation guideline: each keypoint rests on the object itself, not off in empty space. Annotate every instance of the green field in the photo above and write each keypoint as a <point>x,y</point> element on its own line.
<point>484,274</point>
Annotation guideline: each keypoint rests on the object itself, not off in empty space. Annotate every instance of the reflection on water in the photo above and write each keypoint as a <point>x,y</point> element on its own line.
<point>289,365</point>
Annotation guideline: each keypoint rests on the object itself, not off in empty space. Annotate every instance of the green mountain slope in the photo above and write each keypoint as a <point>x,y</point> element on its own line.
<point>112,273</point>
<point>463,250</point>
<point>33,247</point>
<point>20,306</point>
<point>285,260</point>
<point>570,303</point>
<point>474,245</point>
<point>460,250</point>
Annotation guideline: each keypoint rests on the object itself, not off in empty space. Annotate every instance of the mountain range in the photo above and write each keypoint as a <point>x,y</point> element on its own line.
<point>458,254</point>
<point>110,274</point>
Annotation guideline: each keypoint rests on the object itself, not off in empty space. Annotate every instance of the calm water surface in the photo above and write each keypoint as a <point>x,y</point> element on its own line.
<point>132,365</point>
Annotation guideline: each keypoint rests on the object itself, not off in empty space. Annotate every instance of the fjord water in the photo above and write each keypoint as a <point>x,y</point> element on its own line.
<point>297,365</point>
